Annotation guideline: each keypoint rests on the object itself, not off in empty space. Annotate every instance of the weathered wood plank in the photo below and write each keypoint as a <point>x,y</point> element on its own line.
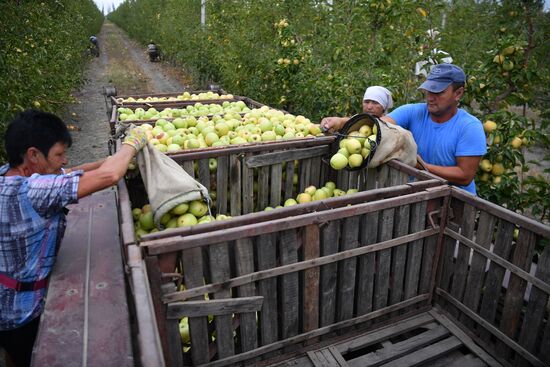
<point>353,180</point>
<point>219,272</point>
<point>173,332</point>
<point>371,178</point>
<point>399,253</point>
<point>382,281</point>
<point>427,354</point>
<point>189,167</point>
<point>414,258</point>
<point>447,263</point>
<point>400,349</point>
<point>204,173</point>
<point>289,296</point>
<point>222,189</point>
<point>198,326</point>
<point>382,178</point>
<point>235,196</point>
<point>248,189</point>
<point>267,288</point>
<point>513,301</point>
<point>289,180</point>
<point>463,256</point>
<point>330,235</point>
<point>268,159</point>
<point>495,274</point>
<point>304,175</point>
<point>244,264</point>
<point>214,307</point>
<point>476,275</point>
<point>311,250</point>
<point>276,185</point>
<point>346,269</point>
<point>536,306</point>
<point>366,267</point>
<point>263,188</point>
<point>316,172</point>
<point>342,181</point>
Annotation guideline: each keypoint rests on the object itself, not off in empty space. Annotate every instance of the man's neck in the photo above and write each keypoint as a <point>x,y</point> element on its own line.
<point>445,116</point>
<point>21,170</point>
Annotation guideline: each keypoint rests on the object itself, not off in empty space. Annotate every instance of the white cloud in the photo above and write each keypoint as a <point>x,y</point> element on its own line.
<point>107,5</point>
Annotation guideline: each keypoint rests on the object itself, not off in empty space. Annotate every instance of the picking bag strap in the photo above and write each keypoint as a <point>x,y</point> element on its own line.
<point>23,286</point>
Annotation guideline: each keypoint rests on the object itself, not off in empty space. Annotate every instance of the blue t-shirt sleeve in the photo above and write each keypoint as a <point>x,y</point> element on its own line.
<point>402,116</point>
<point>50,193</point>
<point>472,140</point>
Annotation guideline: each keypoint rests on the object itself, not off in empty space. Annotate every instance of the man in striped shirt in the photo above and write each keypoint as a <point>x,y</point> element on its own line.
<point>34,190</point>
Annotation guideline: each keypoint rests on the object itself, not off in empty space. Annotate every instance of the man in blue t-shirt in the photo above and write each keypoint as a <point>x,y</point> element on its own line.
<point>450,141</point>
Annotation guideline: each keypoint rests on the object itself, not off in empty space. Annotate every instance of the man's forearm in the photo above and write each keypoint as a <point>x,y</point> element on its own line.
<point>453,174</point>
<point>86,167</point>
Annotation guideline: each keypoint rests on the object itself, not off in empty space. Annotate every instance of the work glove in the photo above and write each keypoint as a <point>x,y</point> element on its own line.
<point>136,138</point>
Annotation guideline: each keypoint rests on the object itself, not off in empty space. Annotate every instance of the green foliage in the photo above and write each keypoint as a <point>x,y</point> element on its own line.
<point>42,48</point>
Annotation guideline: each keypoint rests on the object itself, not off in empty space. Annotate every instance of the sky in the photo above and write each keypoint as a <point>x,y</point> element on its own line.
<point>107,4</point>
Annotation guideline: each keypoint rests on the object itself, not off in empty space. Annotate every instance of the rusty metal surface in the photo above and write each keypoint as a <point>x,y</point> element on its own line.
<point>86,320</point>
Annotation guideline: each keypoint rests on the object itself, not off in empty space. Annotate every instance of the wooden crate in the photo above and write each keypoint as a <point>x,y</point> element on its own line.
<point>115,98</point>
<point>113,122</point>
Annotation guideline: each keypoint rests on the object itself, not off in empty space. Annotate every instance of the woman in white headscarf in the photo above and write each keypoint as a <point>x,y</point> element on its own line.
<point>377,101</point>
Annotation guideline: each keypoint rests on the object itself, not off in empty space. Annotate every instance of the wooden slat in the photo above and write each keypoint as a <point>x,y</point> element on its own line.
<point>414,258</point>
<point>198,326</point>
<point>536,306</point>
<point>263,188</point>
<point>427,354</point>
<point>382,179</point>
<point>492,329</point>
<point>346,269</point>
<point>366,267</point>
<point>288,253</point>
<point>464,338</point>
<point>248,189</point>
<point>289,177</point>
<point>330,239</point>
<point>382,283</point>
<point>370,178</point>
<point>476,275</point>
<point>276,185</point>
<point>222,188</point>
<point>189,167</point>
<point>513,301</point>
<point>220,272</point>
<point>342,182</point>
<point>244,264</point>
<point>177,310</point>
<point>268,159</point>
<point>204,173</point>
<point>447,263</point>
<point>399,253</point>
<point>353,180</point>
<point>316,172</point>
<point>235,196</point>
<point>311,249</point>
<point>400,349</point>
<point>304,175</point>
<point>463,255</point>
<point>267,288</point>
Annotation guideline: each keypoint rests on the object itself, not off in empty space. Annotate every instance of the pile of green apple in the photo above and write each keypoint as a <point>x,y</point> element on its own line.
<point>355,148</point>
<point>197,109</point>
<point>185,96</point>
<point>183,215</point>
<point>312,193</point>
<point>258,125</point>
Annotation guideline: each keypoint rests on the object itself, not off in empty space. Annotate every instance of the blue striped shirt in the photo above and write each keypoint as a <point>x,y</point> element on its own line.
<point>32,224</point>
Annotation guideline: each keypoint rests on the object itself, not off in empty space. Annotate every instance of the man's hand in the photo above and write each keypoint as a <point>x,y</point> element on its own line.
<point>136,138</point>
<point>332,124</point>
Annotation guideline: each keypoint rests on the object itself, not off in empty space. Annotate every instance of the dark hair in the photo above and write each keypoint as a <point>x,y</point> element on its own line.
<point>33,128</point>
<point>457,85</point>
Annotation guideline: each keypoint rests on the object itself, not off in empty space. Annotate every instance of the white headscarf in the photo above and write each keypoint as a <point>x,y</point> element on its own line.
<point>380,95</point>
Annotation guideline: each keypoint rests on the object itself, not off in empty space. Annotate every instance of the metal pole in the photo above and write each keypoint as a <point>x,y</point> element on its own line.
<point>203,13</point>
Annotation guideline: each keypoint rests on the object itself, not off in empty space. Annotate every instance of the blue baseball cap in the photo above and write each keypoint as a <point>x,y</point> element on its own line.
<point>441,76</point>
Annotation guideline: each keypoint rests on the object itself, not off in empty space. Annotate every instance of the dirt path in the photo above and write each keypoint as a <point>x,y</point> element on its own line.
<point>124,64</point>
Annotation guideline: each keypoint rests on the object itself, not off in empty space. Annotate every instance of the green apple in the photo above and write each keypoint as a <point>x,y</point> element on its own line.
<point>211,138</point>
<point>165,218</point>
<point>303,198</point>
<point>310,190</point>
<point>320,195</point>
<point>213,164</point>
<point>180,209</point>
<point>254,138</point>
<point>338,161</point>
<point>186,220</point>
<point>146,221</point>
<point>344,152</point>
<point>355,160</point>
<point>365,130</point>
<point>136,212</point>
<point>331,185</point>
<point>353,146</point>
<point>172,223</point>
<point>268,208</point>
<point>269,136</point>
<point>338,192</point>
<point>173,148</point>
<point>351,191</point>
<point>222,128</point>
<point>161,147</point>
<point>179,123</point>
<point>290,202</point>
<point>198,208</point>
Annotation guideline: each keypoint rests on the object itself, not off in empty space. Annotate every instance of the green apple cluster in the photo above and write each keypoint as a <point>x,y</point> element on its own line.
<point>183,215</point>
<point>355,148</point>
<point>198,109</point>
<point>185,96</point>
<point>312,193</point>
<point>258,125</point>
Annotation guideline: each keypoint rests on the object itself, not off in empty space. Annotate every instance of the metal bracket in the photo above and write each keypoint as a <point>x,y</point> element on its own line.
<point>438,211</point>
<point>174,277</point>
